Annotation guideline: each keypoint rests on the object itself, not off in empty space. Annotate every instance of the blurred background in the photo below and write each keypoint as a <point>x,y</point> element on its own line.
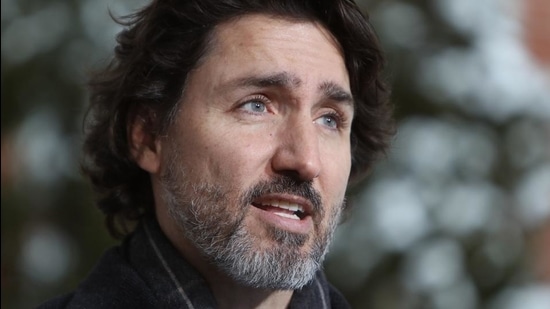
<point>457,217</point>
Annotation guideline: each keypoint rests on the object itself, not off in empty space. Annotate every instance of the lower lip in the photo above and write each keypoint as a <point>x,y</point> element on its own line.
<point>302,226</point>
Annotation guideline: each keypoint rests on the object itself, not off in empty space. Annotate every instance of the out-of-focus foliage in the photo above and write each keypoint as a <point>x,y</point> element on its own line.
<point>452,219</point>
<point>52,234</point>
<point>448,221</point>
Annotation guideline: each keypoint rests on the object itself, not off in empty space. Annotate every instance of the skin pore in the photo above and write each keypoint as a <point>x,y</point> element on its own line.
<point>264,124</point>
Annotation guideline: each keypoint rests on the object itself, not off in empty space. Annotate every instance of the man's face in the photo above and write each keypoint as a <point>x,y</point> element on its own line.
<point>254,170</point>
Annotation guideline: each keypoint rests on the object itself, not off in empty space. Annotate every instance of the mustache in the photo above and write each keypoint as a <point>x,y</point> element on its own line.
<point>288,185</point>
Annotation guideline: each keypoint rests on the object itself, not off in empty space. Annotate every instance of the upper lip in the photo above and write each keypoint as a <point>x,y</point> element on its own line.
<point>288,201</point>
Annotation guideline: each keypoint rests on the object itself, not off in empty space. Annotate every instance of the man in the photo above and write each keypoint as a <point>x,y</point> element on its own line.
<point>228,130</point>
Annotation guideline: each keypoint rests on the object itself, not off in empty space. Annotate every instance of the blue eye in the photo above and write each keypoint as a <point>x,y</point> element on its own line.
<point>255,107</point>
<point>329,120</point>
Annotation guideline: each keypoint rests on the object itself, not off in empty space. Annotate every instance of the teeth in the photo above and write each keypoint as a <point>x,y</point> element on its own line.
<point>285,205</point>
<point>295,217</point>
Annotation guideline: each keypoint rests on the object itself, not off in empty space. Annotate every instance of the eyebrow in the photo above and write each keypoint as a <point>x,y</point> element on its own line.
<point>329,89</point>
<point>336,93</point>
<point>282,79</point>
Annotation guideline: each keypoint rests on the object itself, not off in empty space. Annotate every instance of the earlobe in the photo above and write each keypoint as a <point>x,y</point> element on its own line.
<point>144,147</point>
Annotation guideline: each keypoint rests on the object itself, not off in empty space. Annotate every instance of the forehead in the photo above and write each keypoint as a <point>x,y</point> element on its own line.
<point>261,26</point>
<point>254,44</point>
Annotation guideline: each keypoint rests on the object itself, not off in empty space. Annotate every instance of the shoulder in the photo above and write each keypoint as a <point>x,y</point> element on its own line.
<point>113,283</point>
<point>337,300</point>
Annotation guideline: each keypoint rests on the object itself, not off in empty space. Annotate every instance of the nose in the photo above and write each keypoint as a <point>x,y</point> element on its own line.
<point>297,154</point>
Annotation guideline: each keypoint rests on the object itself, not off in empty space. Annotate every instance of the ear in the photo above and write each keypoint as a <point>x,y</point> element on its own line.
<point>145,148</point>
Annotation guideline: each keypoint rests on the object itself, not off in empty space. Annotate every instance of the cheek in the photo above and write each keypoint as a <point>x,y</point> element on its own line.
<point>337,170</point>
<point>233,157</point>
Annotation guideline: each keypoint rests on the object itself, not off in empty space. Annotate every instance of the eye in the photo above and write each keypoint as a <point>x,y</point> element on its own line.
<point>254,106</point>
<point>330,120</point>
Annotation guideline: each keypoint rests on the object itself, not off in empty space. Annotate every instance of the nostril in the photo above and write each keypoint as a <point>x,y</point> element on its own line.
<point>294,174</point>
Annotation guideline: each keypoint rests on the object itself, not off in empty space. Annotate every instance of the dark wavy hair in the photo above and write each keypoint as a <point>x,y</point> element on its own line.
<point>162,43</point>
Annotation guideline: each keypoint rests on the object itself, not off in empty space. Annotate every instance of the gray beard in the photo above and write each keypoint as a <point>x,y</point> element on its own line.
<point>222,238</point>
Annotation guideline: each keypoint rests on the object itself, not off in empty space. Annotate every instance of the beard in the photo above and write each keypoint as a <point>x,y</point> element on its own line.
<point>212,217</point>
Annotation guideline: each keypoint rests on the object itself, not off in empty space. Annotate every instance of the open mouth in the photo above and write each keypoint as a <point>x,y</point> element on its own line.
<point>283,209</point>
